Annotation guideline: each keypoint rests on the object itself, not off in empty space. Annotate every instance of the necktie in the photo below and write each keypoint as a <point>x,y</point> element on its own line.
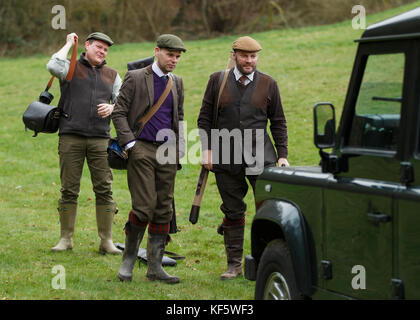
<point>242,79</point>
<point>165,78</point>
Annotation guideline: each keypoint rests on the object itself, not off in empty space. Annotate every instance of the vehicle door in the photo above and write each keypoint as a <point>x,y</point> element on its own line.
<point>406,282</point>
<point>359,205</point>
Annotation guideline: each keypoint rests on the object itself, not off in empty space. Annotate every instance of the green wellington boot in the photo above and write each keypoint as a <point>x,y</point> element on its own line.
<point>67,212</point>
<point>104,220</point>
<point>155,251</point>
<point>133,238</point>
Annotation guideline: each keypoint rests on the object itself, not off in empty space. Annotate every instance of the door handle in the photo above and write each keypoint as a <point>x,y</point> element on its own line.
<point>377,217</point>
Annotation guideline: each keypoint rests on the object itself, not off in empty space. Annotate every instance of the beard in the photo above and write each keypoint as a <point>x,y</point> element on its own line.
<point>243,71</point>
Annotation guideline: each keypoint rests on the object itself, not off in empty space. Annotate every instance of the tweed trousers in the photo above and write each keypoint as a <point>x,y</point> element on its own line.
<point>151,184</point>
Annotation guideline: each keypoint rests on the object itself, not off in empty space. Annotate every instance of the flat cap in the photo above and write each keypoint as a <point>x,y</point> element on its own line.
<point>246,44</point>
<point>100,36</point>
<point>170,41</point>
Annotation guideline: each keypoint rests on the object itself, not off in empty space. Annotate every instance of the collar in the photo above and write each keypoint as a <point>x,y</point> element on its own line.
<point>86,62</point>
<point>158,71</point>
<point>238,75</point>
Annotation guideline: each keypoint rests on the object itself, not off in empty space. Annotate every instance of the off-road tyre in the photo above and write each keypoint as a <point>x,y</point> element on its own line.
<point>275,276</point>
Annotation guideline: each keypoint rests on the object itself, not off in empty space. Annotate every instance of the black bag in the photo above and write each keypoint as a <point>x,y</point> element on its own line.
<point>138,64</point>
<point>40,116</point>
<point>117,157</point>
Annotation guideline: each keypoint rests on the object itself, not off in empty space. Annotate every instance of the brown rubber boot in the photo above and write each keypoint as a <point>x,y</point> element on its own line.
<point>104,220</point>
<point>134,236</point>
<point>234,241</point>
<point>155,251</point>
<point>67,212</point>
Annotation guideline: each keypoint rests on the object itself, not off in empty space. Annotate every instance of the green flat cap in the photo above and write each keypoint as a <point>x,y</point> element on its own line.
<point>170,41</point>
<point>100,36</point>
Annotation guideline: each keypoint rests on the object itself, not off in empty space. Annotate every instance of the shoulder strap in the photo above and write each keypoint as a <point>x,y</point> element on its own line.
<point>223,78</point>
<point>157,105</point>
<point>72,62</point>
<point>72,66</point>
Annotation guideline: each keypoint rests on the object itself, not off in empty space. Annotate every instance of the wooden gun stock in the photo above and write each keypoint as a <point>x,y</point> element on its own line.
<point>199,192</point>
<point>204,173</point>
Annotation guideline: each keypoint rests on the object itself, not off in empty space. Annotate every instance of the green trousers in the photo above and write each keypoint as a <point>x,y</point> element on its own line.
<point>73,150</point>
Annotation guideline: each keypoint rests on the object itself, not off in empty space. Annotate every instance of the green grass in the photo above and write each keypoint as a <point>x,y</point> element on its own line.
<point>310,65</point>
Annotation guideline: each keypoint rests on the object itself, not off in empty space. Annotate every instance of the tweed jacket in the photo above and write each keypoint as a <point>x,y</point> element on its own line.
<point>136,98</point>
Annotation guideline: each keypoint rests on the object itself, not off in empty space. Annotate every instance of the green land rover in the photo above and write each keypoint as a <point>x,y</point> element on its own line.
<point>350,227</point>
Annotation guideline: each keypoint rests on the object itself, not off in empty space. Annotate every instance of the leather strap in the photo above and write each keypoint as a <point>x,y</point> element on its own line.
<point>222,86</point>
<point>72,61</point>
<point>72,66</point>
<point>157,105</point>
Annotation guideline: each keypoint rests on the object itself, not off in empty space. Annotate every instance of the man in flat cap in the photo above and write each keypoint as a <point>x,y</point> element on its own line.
<point>247,101</point>
<point>84,131</point>
<point>150,181</point>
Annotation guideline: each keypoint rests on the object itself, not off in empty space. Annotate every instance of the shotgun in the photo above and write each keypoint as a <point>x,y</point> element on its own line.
<point>204,173</point>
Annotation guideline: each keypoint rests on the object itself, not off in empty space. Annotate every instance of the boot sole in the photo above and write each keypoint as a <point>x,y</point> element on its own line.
<point>231,276</point>
<point>60,250</point>
<point>113,253</point>
<point>168,281</point>
<point>104,252</point>
<point>124,279</point>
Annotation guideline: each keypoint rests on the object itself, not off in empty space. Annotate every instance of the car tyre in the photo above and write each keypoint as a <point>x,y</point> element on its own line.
<point>275,276</point>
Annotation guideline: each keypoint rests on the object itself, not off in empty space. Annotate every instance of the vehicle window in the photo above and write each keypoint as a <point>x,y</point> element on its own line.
<point>377,115</point>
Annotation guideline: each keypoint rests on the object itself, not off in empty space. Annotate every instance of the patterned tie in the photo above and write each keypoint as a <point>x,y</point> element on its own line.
<point>242,79</point>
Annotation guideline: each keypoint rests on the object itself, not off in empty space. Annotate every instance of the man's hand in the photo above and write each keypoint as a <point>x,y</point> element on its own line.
<point>206,159</point>
<point>71,38</point>
<point>70,41</point>
<point>105,110</point>
<point>283,162</point>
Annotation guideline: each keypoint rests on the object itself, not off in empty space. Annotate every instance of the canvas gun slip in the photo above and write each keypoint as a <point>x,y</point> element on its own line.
<point>204,173</point>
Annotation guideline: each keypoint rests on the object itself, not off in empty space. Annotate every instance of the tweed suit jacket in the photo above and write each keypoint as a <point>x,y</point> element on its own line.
<point>135,99</point>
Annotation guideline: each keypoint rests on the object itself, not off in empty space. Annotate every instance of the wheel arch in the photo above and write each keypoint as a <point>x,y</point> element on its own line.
<point>277,219</point>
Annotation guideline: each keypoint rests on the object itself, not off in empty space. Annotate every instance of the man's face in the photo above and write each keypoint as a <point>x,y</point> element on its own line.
<point>96,51</point>
<point>167,59</point>
<point>246,62</point>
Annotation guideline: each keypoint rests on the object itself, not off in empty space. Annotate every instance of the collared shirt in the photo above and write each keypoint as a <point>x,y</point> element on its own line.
<point>238,75</point>
<point>158,71</point>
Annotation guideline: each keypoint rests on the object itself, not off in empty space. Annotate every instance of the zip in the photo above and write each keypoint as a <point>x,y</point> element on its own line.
<point>92,98</point>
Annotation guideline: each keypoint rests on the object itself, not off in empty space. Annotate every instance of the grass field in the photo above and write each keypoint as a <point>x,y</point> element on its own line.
<point>310,65</point>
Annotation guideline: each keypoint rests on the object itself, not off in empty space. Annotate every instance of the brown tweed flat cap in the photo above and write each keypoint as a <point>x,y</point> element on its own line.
<point>246,44</point>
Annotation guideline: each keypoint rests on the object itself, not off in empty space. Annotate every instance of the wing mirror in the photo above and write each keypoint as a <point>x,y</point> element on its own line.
<point>324,125</point>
